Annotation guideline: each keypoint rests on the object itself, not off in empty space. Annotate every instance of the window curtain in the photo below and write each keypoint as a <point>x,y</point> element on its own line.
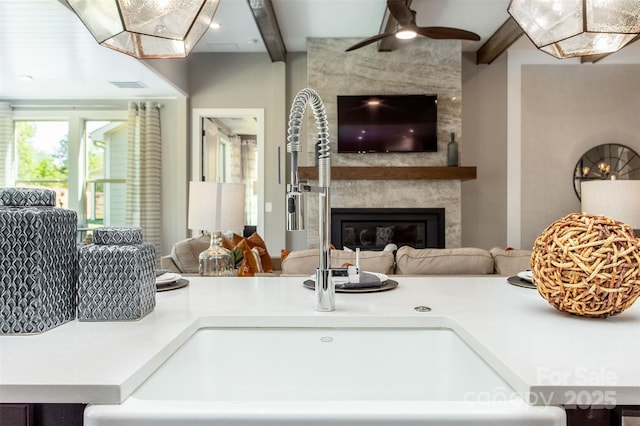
<point>144,167</point>
<point>249,178</point>
<point>6,145</point>
<point>235,159</point>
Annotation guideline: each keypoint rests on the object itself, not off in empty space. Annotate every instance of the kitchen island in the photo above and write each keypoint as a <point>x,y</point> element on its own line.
<point>547,357</point>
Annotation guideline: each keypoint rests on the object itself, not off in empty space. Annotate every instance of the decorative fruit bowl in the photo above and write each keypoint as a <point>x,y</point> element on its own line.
<point>587,265</point>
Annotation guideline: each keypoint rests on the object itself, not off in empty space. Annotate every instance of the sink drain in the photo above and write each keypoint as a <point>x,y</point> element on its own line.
<point>422,308</point>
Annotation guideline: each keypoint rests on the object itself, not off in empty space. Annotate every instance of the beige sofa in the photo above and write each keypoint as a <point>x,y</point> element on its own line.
<point>184,254</point>
<point>410,261</point>
<point>405,261</point>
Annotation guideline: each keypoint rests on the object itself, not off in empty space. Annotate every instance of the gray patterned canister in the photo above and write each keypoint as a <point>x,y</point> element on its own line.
<point>38,261</point>
<point>117,279</point>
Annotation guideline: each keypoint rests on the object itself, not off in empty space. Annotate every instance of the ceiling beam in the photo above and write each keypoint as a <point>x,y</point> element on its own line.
<point>499,41</point>
<point>592,59</point>
<point>389,25</point>
<point>267,23</point>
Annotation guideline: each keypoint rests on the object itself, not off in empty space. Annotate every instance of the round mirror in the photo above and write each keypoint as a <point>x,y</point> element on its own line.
<point>606,162</point>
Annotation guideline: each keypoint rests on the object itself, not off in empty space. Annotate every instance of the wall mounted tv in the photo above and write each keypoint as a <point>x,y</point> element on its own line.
<point>387,123</point>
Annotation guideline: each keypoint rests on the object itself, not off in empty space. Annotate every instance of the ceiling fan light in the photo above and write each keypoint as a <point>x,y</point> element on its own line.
<point>406,34</point>
<point>149,29</point>
<point>570,28</point>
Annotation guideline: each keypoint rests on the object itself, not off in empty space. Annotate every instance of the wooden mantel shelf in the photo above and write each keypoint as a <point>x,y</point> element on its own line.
<point>387,173</point>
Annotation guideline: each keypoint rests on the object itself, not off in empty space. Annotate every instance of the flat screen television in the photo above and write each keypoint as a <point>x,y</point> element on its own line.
<point>387,123</point>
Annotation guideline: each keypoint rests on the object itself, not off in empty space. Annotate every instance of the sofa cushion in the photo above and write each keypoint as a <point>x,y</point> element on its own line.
<point>509,262</point>
<point>305,262</point>
<point>185,253</point>
<point>454,261</point>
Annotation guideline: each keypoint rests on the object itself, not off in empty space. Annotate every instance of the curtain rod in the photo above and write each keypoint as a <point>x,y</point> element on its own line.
<point>27,106</point>
<point>142,104</point>
<point>80,107</point>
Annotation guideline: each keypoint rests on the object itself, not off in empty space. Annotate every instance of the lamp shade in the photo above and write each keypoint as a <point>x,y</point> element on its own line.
<point>618,199</point>
<point>147,29</point>
<point>215,206</point>
<point>570,28</point>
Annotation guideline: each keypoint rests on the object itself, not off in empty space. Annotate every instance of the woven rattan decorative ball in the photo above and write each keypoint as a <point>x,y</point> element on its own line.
<point>587,265</point>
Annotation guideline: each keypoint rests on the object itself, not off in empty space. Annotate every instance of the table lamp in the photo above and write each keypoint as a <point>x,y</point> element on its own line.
<point>618,199</point>
<point>215,207</point>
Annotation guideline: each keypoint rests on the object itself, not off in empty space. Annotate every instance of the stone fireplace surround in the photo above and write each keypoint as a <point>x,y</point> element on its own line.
<point>423,66</point>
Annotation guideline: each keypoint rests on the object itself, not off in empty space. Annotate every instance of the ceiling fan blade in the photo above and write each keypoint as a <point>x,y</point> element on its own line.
<point>400,11</point>
<point>369,41</point>
<point>447,33</point>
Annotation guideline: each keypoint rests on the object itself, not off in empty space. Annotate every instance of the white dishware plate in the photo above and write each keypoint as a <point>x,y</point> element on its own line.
<point>526,275</point>
<point>168,277</point>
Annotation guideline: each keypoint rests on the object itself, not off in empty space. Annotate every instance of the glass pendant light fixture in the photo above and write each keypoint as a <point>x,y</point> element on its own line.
<point>146,29</point>
<point>571,28</point>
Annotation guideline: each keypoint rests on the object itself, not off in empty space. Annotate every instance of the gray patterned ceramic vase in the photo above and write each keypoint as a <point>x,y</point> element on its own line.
<point>38,261</point>
<point>117,276</point>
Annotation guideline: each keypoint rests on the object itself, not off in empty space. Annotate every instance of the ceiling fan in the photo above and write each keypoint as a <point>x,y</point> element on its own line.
<point>407,28</point>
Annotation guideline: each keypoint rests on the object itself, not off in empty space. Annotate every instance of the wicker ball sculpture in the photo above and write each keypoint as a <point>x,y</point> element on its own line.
<point>587,265</point>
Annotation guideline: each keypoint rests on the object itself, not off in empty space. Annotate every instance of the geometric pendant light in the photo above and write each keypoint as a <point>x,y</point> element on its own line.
<point>570,28</point>
<point>147,29</point>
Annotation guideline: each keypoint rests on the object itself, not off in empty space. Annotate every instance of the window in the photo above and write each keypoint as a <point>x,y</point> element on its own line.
<point>80,155</point>
<point>105,173</point>
<point>42,156</point>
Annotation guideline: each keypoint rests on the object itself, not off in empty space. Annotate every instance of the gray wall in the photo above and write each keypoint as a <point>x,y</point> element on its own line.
<point>484,124</point>
<point>250,80</point>
<point>296,80</point>
<point>174,171</point>
<point>174,71</point>
<point>566,110</point>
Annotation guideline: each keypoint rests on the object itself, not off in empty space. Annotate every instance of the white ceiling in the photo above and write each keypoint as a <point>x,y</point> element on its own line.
<point>45,40</point>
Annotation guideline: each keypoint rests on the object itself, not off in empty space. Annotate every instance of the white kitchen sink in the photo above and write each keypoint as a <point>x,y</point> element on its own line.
<point>324,376</point>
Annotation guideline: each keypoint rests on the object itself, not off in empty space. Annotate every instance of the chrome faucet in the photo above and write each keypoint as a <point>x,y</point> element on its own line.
<point>324,288</point>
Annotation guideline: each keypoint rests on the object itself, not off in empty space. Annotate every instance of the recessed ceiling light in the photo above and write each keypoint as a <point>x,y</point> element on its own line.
<point>25,77</point>
<point>215,25</point>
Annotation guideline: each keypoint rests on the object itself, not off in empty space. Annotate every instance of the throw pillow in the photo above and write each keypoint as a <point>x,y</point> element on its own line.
<point>283,254</point>
<point>265,258</point>
<point>255,241</point>
<point>250,263</point>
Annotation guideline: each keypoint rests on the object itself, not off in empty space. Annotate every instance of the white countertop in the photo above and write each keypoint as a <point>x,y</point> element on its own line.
<point>548,357</point>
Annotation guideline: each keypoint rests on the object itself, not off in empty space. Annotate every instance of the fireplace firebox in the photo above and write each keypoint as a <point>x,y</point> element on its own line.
<point>374,228</point>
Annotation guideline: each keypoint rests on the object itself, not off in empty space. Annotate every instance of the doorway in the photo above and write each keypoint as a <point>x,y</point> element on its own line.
<point>228,146</point>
